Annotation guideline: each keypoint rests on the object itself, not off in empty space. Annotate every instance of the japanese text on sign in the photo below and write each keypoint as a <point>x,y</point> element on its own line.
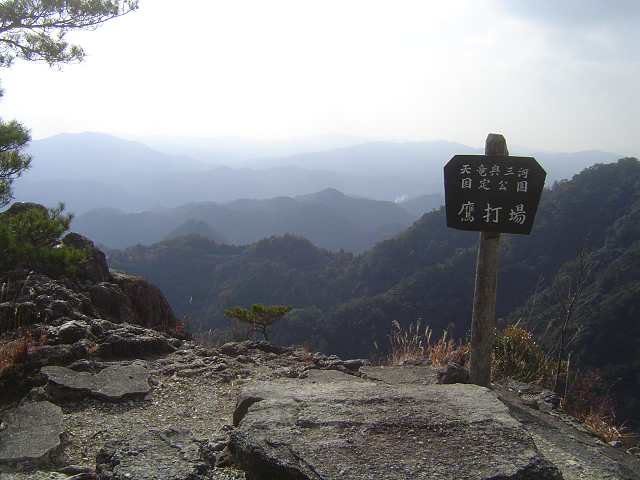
<point>492,193</point>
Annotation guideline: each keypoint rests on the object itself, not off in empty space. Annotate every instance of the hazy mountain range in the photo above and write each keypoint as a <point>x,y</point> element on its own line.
<point>329,219</point>
<point>96,170</point>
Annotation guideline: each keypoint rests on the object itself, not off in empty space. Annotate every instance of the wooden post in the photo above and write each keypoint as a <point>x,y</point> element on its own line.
<point>484,300</point>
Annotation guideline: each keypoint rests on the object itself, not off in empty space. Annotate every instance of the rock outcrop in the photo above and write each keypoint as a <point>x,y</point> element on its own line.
<point>342,427</point>
<point>156,441</point>
<point>94,292</point>
<point>97,313</point>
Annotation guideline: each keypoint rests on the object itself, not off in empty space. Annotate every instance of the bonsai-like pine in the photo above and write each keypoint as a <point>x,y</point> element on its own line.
<point>259,316</point>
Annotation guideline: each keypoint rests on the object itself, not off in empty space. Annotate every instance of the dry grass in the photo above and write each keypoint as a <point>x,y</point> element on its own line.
<point>11,352</point>
<point>411,343</point>
<point>605,426</point>
<point>407,344</point>
<point>15,348</point>
<point>16,337</point>
<point>443,349</point>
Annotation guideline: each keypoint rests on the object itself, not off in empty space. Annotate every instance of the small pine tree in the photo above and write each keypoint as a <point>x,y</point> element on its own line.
<point>259,316</point>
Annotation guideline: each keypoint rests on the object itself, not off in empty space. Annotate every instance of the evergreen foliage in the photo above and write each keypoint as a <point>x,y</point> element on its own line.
<point>259,316</point>
<point>14,138</point>
<point>35,30</point>
<point>30,238</point>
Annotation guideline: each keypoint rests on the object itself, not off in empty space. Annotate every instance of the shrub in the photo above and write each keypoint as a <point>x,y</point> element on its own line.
<point>30,237</point>
<point>516,356</point>
<point>583,401</point>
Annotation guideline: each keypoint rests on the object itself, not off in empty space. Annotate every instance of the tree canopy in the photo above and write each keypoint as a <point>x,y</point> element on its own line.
<point>259,316</point>
<point>35,30</point>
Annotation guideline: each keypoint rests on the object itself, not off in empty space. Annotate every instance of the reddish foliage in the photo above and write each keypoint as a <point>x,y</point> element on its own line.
<point>582,398</point>
<point>583,401</point>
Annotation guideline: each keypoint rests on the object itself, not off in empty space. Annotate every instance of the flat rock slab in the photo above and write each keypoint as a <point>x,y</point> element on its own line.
<point>112,384</point>
<point>414,375</point>
<point>30,435</point>
<point>163,454</point>
<point>345,429</point>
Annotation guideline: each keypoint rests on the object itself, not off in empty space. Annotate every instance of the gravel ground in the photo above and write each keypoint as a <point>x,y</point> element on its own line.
<point>193,388</point>
<point>202,405</point>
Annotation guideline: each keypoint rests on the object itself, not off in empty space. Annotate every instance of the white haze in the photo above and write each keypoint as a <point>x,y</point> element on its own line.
<point>549,74</point>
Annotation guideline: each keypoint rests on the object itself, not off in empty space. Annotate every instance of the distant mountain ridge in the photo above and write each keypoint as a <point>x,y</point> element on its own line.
<point>132,177</point>
<point>99,156</point>
<point>329,218</point>
<point>96,170</point>
<point>222,150</point>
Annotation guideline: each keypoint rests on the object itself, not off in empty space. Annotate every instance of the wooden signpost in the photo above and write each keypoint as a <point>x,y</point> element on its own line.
<point>491,193</point>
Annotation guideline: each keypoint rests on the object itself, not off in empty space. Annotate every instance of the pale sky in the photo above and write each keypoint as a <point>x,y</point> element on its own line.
<point>560,75</point>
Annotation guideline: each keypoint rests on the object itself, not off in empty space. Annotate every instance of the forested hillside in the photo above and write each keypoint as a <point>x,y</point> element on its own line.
<point>329,219</point>
<point>345,305</point>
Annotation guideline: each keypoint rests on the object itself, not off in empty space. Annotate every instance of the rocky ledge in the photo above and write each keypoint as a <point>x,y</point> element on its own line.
<point>255,410</point>
<point>99,313</point>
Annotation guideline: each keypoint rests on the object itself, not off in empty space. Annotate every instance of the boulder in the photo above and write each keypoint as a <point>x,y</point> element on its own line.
<point>56,354</point>
<point>30,436</point>
<point>94,268</point>
<point>71,331</point>
<point>110,302</point>
<point>349,428</point>
<point>149,307</point>
<point>534,396</point>
<point>454,373</point>
<point>19,207</point>
<point>126,341</point>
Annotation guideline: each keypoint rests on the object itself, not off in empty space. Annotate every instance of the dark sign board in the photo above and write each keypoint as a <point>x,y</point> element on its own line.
<point>492,193</point>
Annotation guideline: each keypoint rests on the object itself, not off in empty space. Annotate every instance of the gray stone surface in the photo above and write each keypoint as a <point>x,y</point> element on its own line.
<point>166,454</point>
<point>569,444</point>
<point>30,435</point>
<point>417,374</point>
<point>409,374</point>
<point>113,383</point>
<point>349,429</point>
